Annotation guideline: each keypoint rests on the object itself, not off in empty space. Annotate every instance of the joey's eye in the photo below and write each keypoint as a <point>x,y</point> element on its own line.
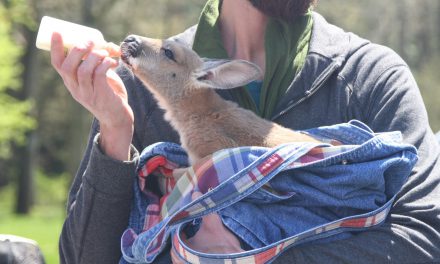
<point>169,54</point>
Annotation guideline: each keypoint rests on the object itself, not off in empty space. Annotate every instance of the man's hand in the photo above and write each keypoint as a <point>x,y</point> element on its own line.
<point>89,78</point>
<point>212,237</point>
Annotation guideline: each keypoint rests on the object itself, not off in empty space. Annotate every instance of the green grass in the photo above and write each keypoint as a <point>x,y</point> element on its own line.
<point>43,229</point>
<point>45,221</point>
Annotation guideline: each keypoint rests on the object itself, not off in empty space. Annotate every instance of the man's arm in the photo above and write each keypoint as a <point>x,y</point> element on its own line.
<point>98,208</point>
<point>410,234</point>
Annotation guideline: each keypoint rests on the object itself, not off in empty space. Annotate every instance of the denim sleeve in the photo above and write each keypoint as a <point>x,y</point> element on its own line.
<point>98,209</point>
<point>410,234</point>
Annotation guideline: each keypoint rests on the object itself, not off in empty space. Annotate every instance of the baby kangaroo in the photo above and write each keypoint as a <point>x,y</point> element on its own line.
<point>183,84</point>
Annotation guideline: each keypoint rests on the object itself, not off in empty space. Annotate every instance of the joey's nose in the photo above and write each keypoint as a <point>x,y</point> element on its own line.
<point>131,38</point>
<point>132,45</point>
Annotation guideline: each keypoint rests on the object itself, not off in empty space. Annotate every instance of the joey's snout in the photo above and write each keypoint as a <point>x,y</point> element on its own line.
<point>130,48</point>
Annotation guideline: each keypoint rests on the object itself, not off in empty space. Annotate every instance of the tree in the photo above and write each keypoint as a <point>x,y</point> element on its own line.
<point>15,120</point>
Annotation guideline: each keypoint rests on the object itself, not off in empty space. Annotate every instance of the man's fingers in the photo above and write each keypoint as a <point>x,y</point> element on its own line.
<point>57,55</point>
<point>74,59</point>
<point>115,82</point>
<point>113,49</point>
<point>87,68</point>
<point>174,258</point>
<point>210,221</point>
<point>101,76</point>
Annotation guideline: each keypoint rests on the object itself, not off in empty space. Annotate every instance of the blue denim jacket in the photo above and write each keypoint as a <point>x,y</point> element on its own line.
<point>307,198</point>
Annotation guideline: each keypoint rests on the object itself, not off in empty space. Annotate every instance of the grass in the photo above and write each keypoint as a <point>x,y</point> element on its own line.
<point>43,229</point>
<point>45,221</point>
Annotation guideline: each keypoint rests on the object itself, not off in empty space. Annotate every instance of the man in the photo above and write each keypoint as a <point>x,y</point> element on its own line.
<point>315,75</point>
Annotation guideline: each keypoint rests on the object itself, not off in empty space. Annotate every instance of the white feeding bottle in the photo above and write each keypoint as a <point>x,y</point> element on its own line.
<point>72,34</point>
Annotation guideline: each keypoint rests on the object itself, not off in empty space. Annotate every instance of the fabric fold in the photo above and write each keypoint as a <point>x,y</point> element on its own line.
<point>270,198</point>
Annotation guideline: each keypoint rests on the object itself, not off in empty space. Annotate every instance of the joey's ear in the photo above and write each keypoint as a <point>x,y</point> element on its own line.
<point>226,74</point>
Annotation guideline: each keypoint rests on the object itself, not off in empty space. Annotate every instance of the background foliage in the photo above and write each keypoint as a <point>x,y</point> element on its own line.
<point>43,131</point>
<point>14,121</point>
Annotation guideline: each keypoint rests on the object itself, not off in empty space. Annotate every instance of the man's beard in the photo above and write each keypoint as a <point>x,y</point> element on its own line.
<point>286,10</point>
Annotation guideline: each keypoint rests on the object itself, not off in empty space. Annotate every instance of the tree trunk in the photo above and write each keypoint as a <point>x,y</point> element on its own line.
<point>437,18</point>
<point>423,34</point>
<point>28,154</point>
<point>402,16</point>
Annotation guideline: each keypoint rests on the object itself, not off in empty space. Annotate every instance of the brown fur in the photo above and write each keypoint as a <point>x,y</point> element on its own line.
<point>205,122</point>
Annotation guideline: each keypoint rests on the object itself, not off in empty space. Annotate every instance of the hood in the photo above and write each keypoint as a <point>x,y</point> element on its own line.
<point>329,49</point>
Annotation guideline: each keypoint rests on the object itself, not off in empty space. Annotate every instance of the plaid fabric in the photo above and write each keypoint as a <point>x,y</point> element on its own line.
<point>271,252</point>
<point>224,178</point>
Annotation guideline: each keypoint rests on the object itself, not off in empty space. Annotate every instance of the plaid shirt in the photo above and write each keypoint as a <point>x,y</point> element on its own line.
<point>228,176</point>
